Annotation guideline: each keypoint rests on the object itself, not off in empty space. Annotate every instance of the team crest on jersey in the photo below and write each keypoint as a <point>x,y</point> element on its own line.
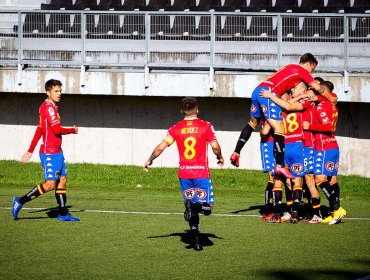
<point>297,167</point>
<point>189,193</point>
<point>201,194</point>
<point>253,109</point>
<point>264,109</point>
<point>330,166</point>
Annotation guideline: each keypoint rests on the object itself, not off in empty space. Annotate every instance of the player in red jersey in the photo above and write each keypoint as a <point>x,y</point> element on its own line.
<point>51,154</point>
<point>326,154</point>
<point>280,82</point>
<point>192,136</point>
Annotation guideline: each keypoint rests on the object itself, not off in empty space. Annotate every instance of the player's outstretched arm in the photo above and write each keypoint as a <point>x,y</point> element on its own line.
<point>59,130</point>
<point>282,103</point>
<point>156,153</point>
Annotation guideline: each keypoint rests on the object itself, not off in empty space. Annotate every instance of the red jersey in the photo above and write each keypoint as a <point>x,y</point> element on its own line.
<point>287,78</point>
<point>308,136</point>
<point>293,127</point>
<point>50,130</point>
<point>324,126</point>
<point>192,136</point>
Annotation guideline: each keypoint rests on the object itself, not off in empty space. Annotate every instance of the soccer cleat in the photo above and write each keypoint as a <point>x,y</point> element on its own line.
<point>316,220</point>
<point>286,217</point>
<point>68,218</point>
<point>267,217</point>
<point>274,220</point>
<point>187,213</point>
<point>327,219</point>
<point>235,159</point>
<point>198,247</point>
<point>337,216</point>
<point>294,217</point>
<point>283,171</point>
<point>17,206</point>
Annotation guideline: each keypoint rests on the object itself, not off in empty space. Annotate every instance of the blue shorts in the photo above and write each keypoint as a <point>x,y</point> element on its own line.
<point>54,166</point>
<point>264,105</point>
<point>267,156</point>
<point>197,190</point>
<point>327,162</point>
<point>308,157</point>
<point>294,158</point>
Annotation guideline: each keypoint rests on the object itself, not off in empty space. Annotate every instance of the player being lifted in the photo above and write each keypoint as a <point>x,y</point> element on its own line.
<point>192,136</point>
<point>51,154</point>
<point>280,82</point>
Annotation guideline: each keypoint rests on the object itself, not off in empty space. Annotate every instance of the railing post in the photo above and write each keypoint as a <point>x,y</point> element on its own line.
<point>147,52</point>
<point>83,46</point>
<point>212,52</point>
<point>280,41</point>
<point>346,54</point>
<point>20,51</point>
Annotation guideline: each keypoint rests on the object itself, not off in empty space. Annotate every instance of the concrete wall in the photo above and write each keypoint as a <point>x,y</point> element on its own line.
<point>355,88</point>
<point>125,129</point>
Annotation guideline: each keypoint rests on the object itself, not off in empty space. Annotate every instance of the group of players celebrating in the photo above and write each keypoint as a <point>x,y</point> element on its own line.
<point>298,146</point>
<point>307,156</point>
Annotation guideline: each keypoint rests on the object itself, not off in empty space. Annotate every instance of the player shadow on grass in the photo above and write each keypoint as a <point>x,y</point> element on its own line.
<point>304,209</point>
<point>186,238</point>
<point>52,213</point>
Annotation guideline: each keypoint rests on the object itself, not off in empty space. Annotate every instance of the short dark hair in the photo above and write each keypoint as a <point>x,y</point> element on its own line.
<point>189,105</point>
<point>330,85</point>
<point>321,80</point>
<point>52,83</point>
<point>308,57</point>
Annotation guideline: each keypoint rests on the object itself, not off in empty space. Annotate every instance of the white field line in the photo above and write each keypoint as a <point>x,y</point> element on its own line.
<point>156,213</point>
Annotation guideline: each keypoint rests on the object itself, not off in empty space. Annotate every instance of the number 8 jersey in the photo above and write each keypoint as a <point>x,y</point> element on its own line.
<point>192,136</point>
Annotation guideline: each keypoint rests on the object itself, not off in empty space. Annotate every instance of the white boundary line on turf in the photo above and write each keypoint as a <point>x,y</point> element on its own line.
<point>158,213</point>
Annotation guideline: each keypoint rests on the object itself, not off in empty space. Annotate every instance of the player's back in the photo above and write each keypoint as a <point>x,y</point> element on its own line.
<point>287,77</point>
<point>191,136</point>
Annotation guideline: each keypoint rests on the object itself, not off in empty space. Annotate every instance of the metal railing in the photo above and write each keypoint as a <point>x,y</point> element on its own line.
<point>196,40</point>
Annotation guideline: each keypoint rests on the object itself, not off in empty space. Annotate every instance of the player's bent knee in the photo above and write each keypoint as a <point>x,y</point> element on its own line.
<point>206,209</point>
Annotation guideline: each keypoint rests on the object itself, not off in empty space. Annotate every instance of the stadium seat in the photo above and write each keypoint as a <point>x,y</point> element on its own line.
<point>159,26</point>
<point>133,26</point>
<point>34,23</point>
<point>291,26</point>
<point>228,27</point>
<point>204,5</point>
<point>202,27</point>
<point>183,26</point>
<point>108,26</point>
<point>333,6</point>
<point>237,4</point>
<point>285,5</point>
<point>335,28</point>
<point>161,4</point>
<point>313,27</point>
<point>180,5</point>
<point>359,28</point>
<point>59,23</point>
<point>262,27</point>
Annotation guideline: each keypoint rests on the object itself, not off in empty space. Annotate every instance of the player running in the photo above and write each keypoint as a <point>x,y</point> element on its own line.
<point>192,136</point>
<point>280,82</point>
<point>51,154</point>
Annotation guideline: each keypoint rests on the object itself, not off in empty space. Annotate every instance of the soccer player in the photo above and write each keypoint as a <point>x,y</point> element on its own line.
<point>192,136</point>
<point>327,155</point>
<point>51,154</point>
<point>301,103</point>
<point>268,164</point>
<point>280,82</point>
